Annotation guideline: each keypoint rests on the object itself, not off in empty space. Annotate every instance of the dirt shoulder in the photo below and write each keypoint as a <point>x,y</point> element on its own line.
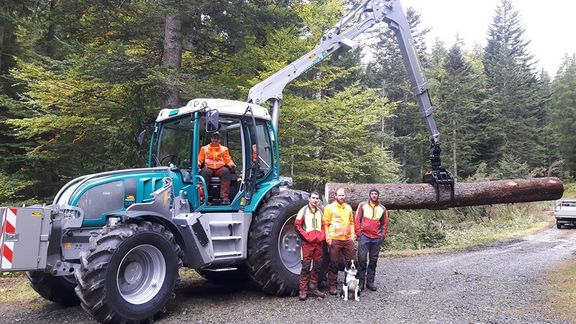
<point>559,282</point>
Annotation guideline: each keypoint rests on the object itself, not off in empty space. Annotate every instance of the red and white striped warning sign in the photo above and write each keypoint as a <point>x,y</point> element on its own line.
<point>9,227</point>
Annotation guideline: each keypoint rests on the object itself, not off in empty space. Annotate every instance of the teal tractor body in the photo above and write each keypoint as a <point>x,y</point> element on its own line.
<point>114,241</point>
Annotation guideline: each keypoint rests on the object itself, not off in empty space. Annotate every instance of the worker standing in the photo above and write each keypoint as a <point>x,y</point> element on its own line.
<point>371,223</point>
<point>339,223</point>
<point>217,161</point>
<point>311,229</point>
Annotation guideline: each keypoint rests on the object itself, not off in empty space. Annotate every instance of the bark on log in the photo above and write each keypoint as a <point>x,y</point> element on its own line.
<point>423,195</point>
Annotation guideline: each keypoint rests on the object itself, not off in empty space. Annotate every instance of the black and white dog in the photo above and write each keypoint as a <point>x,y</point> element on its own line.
<point>351,283</point>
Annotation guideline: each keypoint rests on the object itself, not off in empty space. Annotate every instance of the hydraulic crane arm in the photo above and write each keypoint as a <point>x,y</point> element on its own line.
<point>341,37</point>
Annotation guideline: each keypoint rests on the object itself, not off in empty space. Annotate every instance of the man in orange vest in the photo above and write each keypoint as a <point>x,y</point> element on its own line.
<point>217,161</point>
<point>339,222</point>
<point>371,225</point>
<point>311,230</point>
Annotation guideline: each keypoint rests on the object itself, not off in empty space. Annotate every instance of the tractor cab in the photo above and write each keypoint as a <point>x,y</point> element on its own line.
<point>246,131</point>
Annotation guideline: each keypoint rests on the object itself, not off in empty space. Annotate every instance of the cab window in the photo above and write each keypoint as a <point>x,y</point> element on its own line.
<point>264,152</point>
<point>175,144</point>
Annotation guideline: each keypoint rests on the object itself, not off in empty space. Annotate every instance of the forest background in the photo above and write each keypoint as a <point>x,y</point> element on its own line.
<point>79,79</point>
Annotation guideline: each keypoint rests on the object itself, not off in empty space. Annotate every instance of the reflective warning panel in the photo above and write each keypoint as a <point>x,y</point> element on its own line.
<point>24,239</point>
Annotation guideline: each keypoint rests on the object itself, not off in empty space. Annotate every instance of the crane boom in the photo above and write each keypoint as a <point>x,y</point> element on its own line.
<point>341,37</point>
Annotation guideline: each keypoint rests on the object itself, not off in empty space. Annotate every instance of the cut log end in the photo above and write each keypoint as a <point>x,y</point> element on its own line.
<point>424,196</point>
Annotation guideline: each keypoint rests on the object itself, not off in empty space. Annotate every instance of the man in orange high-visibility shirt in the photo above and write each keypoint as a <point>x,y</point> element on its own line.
<point>310,228</point>
<point>371,227</point>
<point>217,161</point>
<point>338,220</point>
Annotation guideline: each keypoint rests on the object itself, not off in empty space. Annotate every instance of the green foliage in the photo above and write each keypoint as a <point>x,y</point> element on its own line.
<point>335,142</point>
<point>81,78</point>
<point>414,230</point>
<point>563,120</point>
<point>516,98</point>
<point>462,227</point>
<point>406,130</point>
<point>569,190</point>
<point>511,167</point>
<point>457,87</point>
<point>11,188</point>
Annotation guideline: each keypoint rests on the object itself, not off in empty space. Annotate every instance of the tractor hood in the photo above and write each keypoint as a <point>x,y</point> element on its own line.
<point>102,194</point>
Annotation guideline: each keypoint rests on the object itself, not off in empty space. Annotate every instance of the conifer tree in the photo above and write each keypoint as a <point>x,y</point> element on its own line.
<point>458,94</point>
<point>563,121</point>
<point>515,105</point>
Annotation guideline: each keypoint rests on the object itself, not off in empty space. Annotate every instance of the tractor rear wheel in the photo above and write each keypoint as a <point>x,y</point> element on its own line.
<point>129,273</point>
<point>59,290</point>
<point>273,245</point>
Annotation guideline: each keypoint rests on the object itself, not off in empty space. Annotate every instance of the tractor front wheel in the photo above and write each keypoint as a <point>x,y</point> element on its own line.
<point>129,273</point>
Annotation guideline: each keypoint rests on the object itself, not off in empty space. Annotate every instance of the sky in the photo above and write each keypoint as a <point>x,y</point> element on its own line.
<point>549,25</point>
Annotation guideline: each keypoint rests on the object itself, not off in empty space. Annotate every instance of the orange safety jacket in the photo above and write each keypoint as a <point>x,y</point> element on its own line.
<point>371,220</point>
<point>309,224</point>
<point>339,221</point>
<point>214,157</point>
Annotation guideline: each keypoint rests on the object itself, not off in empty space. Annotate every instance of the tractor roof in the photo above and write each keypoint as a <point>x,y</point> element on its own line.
<point>224,107</point>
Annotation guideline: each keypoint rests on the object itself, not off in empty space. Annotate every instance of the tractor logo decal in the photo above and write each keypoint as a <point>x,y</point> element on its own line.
<point>8,227</point>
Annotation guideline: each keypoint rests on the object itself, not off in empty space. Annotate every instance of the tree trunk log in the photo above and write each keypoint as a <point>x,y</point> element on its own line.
<point>423,195</point>
<point>172,58</point>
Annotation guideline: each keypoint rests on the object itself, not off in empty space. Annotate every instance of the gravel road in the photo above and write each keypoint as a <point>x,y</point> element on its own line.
<point>501,283</point>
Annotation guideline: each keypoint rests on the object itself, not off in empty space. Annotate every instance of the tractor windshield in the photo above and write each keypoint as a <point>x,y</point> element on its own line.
<point>174,144</point>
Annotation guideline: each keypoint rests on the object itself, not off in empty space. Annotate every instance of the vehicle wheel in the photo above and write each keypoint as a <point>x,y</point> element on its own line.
<point>230,276</point>
<point>129,273</point>
<point>273,245</point>
<point>558,225</point>
<point>59,290</point>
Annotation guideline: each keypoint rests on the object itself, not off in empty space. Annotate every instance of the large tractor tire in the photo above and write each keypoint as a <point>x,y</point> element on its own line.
<point>59,290</point>
<point>273,246</point>
<point>129,273</point>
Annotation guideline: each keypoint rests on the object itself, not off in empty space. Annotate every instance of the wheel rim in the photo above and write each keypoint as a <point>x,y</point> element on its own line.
<point>141,274</point>
<point>289,246</point>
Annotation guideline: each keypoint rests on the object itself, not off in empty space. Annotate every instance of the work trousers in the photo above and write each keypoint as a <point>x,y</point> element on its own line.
<point>311,262</point>
<point>225,179</point>
<point>337,247</point>
<point>368,250</point>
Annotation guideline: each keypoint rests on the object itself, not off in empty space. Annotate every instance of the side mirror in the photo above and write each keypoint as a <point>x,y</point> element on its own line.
<point>212,121</point>
<point>141,136</point>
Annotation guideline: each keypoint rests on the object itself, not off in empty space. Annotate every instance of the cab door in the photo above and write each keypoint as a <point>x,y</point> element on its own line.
<point>232,135</point>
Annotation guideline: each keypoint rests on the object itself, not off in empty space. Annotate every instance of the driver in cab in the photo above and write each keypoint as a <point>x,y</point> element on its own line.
<point>217,161</point>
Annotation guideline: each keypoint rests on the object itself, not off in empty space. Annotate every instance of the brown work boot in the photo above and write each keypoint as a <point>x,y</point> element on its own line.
<point>303,295</point>
<point>333,291</point>
<point>317,293</point>
<point>370,286</point>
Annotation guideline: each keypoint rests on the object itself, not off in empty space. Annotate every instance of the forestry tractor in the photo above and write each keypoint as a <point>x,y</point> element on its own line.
<point>114,241</point>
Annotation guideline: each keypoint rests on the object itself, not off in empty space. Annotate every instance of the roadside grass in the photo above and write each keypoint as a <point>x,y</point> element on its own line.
<point>485,225</point>
<point>569,190</point>
<point>560,281</point>
<point>561,289</point>
<point>516,221</point>
<point>14,287</point>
